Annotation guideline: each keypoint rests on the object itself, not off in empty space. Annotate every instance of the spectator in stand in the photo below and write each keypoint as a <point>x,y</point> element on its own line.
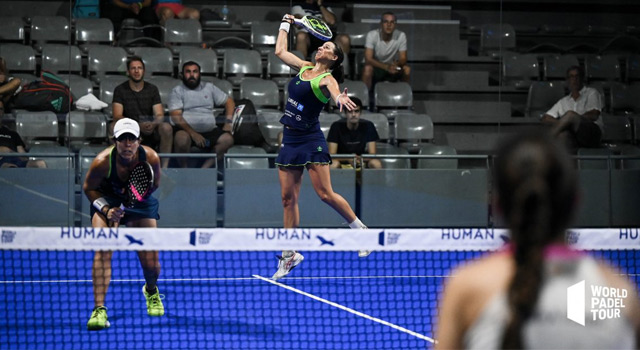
<point>9,86</point>
<point>306,43</point>
<point>191,108</point>
<point>11,142</point>
<point>166,9</point>
<point>385,53</point>
<point>142,10</point>
<point>576,119</point>
<point>352,135</point>
<point>140,100</point>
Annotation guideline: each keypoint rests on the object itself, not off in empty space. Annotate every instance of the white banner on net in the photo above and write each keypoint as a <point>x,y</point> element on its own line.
<point>309,239</point>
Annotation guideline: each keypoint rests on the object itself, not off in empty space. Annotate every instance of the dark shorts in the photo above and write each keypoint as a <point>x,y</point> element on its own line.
<point>588,134</point>
<point>9,162</point>
<point>211,137</point>
<point>141,210</point>
<point>384,75</point>
<point>152,140</point>
<point>300,148</point>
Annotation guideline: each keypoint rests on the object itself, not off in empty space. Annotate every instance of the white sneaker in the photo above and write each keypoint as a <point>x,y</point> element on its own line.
<point>285,265</point>
<point>363,253</point>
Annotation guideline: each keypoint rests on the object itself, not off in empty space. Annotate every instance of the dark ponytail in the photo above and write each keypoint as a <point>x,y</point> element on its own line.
<point>337,71</point>
<point>536,186</point>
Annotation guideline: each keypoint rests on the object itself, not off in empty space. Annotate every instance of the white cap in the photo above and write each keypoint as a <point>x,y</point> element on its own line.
<point>126,125</point>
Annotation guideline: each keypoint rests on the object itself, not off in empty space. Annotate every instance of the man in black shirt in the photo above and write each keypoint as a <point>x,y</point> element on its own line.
<point>140,101</point>
<point>11,142</point>
<point>351,135</point>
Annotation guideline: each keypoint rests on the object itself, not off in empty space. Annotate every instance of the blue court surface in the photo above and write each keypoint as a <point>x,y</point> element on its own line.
<point>224,300</point>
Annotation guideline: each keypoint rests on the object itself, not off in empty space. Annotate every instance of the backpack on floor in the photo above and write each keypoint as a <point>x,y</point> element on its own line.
<point>245,129</point>
<point>50,93</point>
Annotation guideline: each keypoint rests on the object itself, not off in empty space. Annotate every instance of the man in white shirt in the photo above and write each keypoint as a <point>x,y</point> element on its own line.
<point>385,53</point>
<point>576,118</point>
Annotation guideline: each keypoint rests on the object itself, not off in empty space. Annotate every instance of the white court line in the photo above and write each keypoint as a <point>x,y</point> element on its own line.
<point>342,307</point>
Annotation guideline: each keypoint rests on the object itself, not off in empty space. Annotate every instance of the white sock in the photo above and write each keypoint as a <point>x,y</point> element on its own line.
<point>288,253</point>
<point>357,224</point>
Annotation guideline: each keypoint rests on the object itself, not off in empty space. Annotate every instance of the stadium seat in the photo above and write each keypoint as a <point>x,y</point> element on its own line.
<point>54,162</point>
<point>60,58</point>
<point>157,60</point>
<point>381,123</point>
<point>19,59</point>
<point>223,85</point>
<point>238,63</point>
<point>86,154</point>
<point>263,93</point>
<point>93,31</point>
<point>326,119</point>
<point>107,85</point>
<point>179,33</point>
<point>606,67</point>
<point>165,85</point>
<point>412,131</point>
<point>496,39</point>
<point>263,36</point>
<point>617,130</point>
<point>206,58</point>
<point>555,67</point>
<point>542,96</point>
<point>624,99</point>
<point>633,68</point>
<point>520,70</point>
<point>357,32</point>
<point>270,127</point>
<point>50,29</point>
<point>390,98</point>
<point>33,126</point>
<point>279,71</point>
<point>432,163</point>
<point>391,162</point>
<point>79,86</point>
<point>85,128</point>
<point>106,61</point>
<point>630,150</point>
<point>12,30</point>
<point>246,163</point>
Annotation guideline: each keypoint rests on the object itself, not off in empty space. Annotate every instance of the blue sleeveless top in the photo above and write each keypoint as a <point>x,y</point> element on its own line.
<point>112,185</point>
<point>305,102</point>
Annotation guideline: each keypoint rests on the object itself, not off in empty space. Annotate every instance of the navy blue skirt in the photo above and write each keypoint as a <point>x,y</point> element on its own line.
<point>302,147</point>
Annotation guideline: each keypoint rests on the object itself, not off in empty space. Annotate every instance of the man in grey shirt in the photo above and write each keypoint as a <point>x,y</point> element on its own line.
<point>385,53</point>
<point>191,109</point>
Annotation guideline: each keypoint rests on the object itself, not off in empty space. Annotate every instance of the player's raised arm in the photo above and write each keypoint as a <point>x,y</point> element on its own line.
<point>282,42</point>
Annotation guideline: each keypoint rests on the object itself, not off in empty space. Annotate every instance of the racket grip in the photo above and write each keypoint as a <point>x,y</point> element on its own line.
<point>117,224</point>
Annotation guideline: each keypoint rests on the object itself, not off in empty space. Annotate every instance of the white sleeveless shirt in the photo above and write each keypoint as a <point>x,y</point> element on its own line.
<point>549,327</point>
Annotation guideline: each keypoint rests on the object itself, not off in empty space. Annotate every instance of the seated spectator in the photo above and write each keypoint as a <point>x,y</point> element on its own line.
<point>140,101</point>
<point>576,118</point>
<point>9,86</point>
<point>385,53</point>
<point>191,109</point>
<point>516,298</point>
<point>142,10</point>
<point>166,9</point>
<point>11,142</point>
<point>352,135</point>
<point>306,43</point>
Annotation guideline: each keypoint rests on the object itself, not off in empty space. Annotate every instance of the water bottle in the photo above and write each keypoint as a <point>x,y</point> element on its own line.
<point>224,12</point>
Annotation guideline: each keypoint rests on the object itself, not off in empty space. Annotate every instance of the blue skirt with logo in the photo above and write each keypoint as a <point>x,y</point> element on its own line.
<point>302,147</point>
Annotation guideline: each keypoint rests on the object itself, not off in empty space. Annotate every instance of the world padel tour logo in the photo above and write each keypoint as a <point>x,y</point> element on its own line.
<point>605,303</point>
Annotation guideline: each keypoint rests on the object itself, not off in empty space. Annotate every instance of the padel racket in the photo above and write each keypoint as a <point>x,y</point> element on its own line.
<point>315,26</point>
<point>140,184</point>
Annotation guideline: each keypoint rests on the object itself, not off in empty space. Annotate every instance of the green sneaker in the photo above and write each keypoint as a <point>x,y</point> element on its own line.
<point>98,319</point>
<point>154,302</point>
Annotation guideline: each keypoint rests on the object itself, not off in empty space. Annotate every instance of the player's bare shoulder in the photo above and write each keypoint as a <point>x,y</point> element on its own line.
<point>101,161</point>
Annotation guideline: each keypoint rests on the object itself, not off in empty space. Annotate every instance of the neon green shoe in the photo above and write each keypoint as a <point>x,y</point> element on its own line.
<point>154,302</point>
<point>98,319</point>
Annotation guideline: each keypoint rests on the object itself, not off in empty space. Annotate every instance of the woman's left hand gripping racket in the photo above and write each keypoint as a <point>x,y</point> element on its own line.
<point>315,26</point>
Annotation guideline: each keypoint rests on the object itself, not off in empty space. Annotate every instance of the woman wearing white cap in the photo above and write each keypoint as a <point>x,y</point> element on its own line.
<point>105,187</point>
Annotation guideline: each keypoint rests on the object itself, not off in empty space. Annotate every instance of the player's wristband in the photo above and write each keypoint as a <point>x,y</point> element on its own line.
<point>228,121</point>
<point>100,203</point>
<point>338,99</point>
<point>285,26</point>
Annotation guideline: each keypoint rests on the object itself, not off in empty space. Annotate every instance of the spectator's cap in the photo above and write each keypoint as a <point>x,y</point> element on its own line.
<point>126,125</point>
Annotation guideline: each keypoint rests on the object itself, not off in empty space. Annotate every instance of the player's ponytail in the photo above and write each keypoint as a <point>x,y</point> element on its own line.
<point>536,188</point>
<point>337,71</point>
